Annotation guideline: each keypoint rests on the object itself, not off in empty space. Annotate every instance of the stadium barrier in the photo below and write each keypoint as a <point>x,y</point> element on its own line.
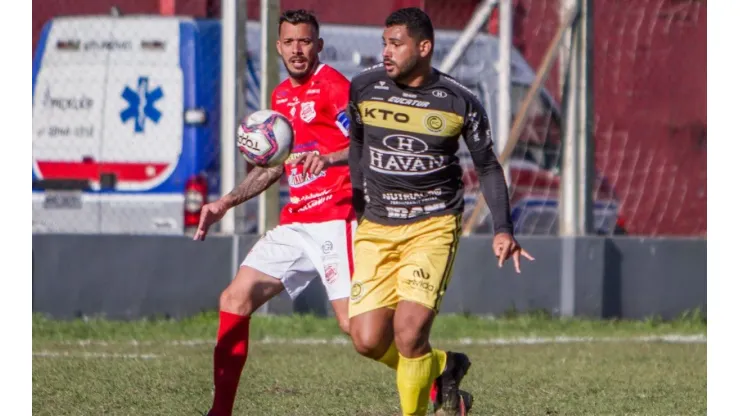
<point>130,277</point>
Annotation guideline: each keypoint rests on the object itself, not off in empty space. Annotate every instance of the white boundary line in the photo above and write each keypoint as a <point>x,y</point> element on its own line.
<point>70,354</point>
<point>668,338</point>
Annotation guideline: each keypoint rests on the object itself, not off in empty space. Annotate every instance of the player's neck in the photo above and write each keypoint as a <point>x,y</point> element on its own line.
<point>297,82</point>
<point>418,78</point>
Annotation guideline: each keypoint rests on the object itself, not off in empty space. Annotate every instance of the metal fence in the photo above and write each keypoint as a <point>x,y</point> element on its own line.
<point>125,125</point>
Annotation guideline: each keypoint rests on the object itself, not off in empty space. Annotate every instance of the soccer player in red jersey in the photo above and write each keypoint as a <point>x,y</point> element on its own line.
<point>314,237</point>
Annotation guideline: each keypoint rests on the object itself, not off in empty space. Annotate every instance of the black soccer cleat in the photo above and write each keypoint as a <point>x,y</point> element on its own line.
<point>465,404</point>
<point>450,400</point>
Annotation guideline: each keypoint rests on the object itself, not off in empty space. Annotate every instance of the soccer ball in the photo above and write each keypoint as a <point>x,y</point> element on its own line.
<point>265,138</point>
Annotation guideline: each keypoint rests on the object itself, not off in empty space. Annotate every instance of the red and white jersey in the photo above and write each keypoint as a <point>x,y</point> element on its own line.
<point>316,109</point>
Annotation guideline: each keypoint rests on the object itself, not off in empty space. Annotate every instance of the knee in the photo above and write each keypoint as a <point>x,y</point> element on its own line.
<point>235,302</point>
<point>368,343</point>
<point>410,340</point>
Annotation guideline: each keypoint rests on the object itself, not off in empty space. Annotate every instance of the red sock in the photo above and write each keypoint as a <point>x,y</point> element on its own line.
<point>229,357</point>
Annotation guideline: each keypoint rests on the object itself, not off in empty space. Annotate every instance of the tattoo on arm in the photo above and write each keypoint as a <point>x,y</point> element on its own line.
<point>254,184</point>
<point>338,158</point>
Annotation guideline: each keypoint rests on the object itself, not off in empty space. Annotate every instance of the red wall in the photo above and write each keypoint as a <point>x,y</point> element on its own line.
<point>650,104</point>
<point>649,87</point>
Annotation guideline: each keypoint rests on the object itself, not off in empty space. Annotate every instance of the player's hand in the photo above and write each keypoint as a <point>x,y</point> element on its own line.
<point>312,162</point>
<point>505,246</point>
<point>209,215</point>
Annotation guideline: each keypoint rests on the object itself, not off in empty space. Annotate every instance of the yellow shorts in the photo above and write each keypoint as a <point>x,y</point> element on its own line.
<point>410,262</point>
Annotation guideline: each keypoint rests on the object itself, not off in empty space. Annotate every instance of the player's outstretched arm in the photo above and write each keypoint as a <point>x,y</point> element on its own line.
<point>478,138</point>
<point>257,180</point>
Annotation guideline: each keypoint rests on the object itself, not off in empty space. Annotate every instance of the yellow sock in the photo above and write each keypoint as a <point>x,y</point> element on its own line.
<point>441,358</point>
<point>414,379</point>
<point>390,358</point>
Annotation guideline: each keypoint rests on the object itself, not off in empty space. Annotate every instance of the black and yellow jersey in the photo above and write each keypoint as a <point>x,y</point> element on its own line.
<point>403,149</point>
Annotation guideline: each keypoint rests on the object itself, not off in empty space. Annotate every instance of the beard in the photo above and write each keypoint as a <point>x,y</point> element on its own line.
<point>404,70</point>
<point>299,73</point>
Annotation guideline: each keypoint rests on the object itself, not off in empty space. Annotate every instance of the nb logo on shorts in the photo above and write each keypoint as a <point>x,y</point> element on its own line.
<point>421,274</point>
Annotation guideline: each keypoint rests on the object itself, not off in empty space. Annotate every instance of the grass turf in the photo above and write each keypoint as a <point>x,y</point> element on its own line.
<point>86,367</point>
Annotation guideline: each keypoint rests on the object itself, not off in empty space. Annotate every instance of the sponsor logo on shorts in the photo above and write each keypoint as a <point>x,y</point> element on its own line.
<point>330,273</point>
<point>421,274</point>
<point>419,284</point>
<point>327,247</point>
<point>419,280</point>
<point>357,291</point>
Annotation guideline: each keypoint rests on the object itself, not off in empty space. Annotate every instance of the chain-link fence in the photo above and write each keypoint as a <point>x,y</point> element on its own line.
<point>649,89</point>
<point>126,111</point>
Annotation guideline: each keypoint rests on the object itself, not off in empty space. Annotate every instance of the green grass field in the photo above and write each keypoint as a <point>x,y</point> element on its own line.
<point>301,365</point>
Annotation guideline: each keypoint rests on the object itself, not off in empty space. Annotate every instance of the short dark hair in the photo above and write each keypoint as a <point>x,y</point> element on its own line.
<point>295,17</point>
<point>418,23</point>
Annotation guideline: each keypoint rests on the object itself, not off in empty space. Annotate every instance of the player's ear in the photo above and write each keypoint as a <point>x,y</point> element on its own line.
<point>425,48</point>
<point>320,44</point>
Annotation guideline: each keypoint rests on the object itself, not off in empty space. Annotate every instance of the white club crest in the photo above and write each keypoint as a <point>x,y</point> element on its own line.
<point>308,112</point>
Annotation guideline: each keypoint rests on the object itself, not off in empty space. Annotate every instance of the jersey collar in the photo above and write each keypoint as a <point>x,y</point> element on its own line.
<point>433,78</point>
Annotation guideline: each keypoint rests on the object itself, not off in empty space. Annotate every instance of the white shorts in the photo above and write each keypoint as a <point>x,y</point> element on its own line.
<point>296,253</point>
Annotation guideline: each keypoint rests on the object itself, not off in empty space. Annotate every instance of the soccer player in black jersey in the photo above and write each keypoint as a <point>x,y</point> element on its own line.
<point>406,119</point>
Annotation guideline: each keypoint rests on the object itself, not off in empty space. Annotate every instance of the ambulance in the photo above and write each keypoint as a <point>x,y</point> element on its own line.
<point>125,124</point>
